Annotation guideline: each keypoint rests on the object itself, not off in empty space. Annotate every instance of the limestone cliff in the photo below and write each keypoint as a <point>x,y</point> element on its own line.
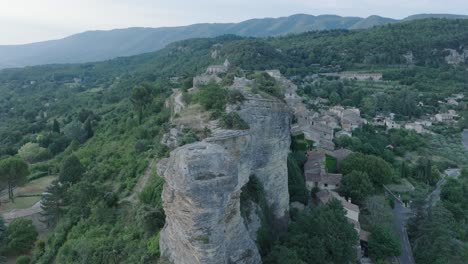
<point>204,180</point>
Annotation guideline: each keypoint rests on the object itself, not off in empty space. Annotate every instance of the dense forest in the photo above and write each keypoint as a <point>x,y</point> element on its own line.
<point>94,128</point>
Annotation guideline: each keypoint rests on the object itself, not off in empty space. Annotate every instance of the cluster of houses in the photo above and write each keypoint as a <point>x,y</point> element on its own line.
<point>317,177</point>
<point>419,125</point>
<point>322,127</point>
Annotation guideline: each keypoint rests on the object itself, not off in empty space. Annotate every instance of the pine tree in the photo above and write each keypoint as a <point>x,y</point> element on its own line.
<point>71,170</point>
<point>53,203</point>
<point>89,129</point>
<point>56,126</point>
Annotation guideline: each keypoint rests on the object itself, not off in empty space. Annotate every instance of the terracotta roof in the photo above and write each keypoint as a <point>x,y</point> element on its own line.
<point>325,196</point>
<point>315,160</point>
<point>325,178</point>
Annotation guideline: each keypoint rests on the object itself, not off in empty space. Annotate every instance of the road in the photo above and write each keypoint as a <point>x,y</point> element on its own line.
<point>434,196</point>
<point>401,215</point>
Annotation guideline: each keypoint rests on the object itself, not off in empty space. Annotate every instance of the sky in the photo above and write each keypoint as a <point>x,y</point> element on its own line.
<point>26,21</point>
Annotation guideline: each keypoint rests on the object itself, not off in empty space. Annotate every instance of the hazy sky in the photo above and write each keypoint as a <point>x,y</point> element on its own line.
<point>24,21</point>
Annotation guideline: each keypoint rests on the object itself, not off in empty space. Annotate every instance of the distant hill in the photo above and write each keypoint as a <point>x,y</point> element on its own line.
<point>373,21</point>
<point>102,45</point>
<point>424,16</point>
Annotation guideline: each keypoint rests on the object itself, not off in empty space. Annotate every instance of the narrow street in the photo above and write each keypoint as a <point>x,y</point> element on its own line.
<point>401,215</point>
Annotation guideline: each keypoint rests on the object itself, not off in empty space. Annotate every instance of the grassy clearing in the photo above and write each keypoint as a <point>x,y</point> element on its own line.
<point>36,186</point>
<point>31,188</point>
<point>20,203</point>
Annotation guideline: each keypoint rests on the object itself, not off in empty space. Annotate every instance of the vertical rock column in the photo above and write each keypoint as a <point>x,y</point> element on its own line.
<point>201,199</point>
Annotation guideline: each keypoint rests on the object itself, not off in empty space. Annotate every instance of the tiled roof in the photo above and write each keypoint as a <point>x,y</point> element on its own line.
<point>325,196</point>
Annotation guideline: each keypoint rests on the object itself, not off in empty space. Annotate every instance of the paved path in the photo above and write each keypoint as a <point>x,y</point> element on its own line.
<point>401,215</point>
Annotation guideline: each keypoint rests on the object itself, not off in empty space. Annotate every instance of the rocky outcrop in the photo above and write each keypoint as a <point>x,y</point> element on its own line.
<point>454,57</point>
<point>204,181</point>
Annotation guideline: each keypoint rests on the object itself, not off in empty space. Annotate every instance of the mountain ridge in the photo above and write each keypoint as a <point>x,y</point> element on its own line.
<point>99,45</point>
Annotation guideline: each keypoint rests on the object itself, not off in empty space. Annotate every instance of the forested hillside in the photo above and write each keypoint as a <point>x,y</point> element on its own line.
<point>102,123</point>
<point>102,45</point>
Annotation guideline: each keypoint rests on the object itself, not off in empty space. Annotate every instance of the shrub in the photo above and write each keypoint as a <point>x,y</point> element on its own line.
<point>211,97</point>
<point>21,235</point>
<point>151,194</point>
<point>23,260</point>
<point>153,244</point>
<point>235,96</point>
<point>233,121</point>
<point>188,137</point>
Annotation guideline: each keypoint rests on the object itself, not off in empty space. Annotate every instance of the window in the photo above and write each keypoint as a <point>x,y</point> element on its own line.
<point>326,184</point>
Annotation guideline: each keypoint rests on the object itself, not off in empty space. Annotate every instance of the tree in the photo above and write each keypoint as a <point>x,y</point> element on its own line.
<point>141,97</point>
<point>434,241</point>
<point>283,255</point>
<point>296,183</point>
<point>13,172</point>
<point>89,129</point>
<point>71,170</point>
<point>32,152</point>
<point>75,131</point>
<point>357,186</point>
<point>322,235</point>
<point>3,232</point>
<point>21,236</point>
<point>379,171</point>
<point>23,260</point>
<point>53,203</point>
<point>56,126</point>
<point>383,243</point>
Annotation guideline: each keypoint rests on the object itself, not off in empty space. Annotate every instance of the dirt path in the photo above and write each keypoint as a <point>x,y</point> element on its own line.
<point>141,182</point>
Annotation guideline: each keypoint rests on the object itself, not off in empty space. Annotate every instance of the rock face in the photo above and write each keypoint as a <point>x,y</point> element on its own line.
<point>204,180</point>
<point>455,58</point>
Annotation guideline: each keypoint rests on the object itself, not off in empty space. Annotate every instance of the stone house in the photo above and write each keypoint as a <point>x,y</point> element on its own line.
<point>340,155</point>
<point>343,133</point>
<point>416,127</point>
<point>446,117</point>
<point>326,145</point>
<point>317,132</point>
<point>352,210</point>
<point>327,120</point>
<point>337,110</point>
<point>316,174</point>
<point>351,121</point>
<point>391,124</point>
<point>216,69</point>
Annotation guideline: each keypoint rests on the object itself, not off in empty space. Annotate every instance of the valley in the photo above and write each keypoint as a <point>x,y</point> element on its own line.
<point>245,150</point>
